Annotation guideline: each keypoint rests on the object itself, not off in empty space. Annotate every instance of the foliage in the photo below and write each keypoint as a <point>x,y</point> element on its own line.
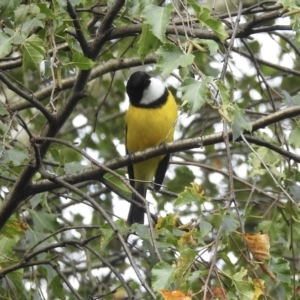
<point>234,169</point>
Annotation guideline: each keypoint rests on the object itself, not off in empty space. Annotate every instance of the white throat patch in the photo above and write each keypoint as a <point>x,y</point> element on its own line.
<point>154,91</point>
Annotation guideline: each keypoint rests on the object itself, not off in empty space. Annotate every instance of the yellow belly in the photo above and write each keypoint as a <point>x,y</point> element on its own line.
<point>146,128</point>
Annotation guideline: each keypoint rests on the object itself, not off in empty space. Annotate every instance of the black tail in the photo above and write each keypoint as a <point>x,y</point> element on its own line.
<point>136,214</point>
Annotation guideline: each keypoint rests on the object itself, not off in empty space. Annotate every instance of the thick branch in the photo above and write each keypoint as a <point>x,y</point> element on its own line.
<point>245,30</point>
<point>176,146</point>
<point>105,28</point>
<point>110,66</point>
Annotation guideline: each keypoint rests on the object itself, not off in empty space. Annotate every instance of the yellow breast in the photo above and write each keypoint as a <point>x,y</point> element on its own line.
<point>149,127</point>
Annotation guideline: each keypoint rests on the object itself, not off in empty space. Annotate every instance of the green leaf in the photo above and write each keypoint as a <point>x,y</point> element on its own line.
<point>23,11</point>
<point>13,228</point>
<point>229,224</point>
<point>134,7</point>
<point>44,9</point>
<point>142,231</point>
<point>245,288</point>
<point>211,46</point>
<point>43,221</point>
<point>171,57</point>
<point>107,236</point>
<point>195,93</point>
<point>42,271</point>
<point>205,228</point>
<point>16,278</point>
<point>295,192</point>
<point>29,25</point>
<point>273,228</point>
<point>5,44</point>
<point>187,256</point>
<point>291,100</point>
<point>33,53</point>
<point>255,163</point>
<point>17,156</point>
<point>162,276</point>
<point>117,183</point>
<point>57,155</point>
<point>7,7</point>
<point>3,109</point>
<point>268,156</point>
<point>294,137</point>
<point>73,167</point>
<point>122,226</point>
<point>194,276</point>
<point>240,122</point>
<point>282,268</point>
<point>190,195</point>
<point>33,237</point>
<point>147,42</point>
<point>183,177</point>
<point>203,14</point>
<point>7,245</point>
<point>82,62</point>
<point>57,288</point>
<point>8,258</point>
<point>158,17</point>
<point>37,199</point>
<point>224,93</point>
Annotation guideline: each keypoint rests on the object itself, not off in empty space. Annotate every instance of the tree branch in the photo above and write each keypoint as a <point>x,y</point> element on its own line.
<point>79,32</point>
<point>110,66</point>
<point>30,98</point>
<point>176,146</point>
<point>105,28</point>
<point>267,63</point>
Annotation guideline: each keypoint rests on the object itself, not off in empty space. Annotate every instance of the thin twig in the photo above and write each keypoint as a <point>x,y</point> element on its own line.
<point>270,173</point>
<point>51,177</point>
<point>30,98</point>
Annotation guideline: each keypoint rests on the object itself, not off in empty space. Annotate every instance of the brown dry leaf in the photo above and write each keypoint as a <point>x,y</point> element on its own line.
<point>218,163</point>
<point>258,286</point>
<point>188,239</point>
<point>22,225</point>
<point>175,295</point>
<point>268,272</point>
<point>258,244</point>
<point>218,292</point>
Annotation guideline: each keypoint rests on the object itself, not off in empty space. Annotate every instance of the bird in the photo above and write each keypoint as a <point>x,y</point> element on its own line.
<point>149,121</point>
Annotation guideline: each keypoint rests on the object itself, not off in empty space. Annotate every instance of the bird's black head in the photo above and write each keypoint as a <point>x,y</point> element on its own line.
<point>136,85</point>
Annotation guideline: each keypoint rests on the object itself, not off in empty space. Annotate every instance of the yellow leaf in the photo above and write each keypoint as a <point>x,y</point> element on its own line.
<point>188,239</point>
<point>170,219</point>
<point>258,285</point>
<point>175,295</point>
<point>197,188</point>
